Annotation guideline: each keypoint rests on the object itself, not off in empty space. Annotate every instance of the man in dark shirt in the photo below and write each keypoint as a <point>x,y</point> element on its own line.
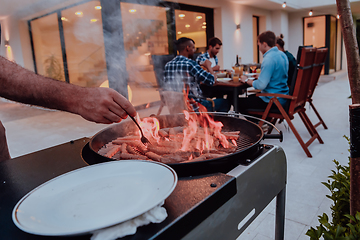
<point>182,73</point>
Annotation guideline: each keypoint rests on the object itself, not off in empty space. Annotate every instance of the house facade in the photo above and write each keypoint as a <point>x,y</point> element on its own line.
<point>110,42</point>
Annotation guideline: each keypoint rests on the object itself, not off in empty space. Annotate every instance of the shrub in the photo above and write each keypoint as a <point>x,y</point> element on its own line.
<point>343,226</point>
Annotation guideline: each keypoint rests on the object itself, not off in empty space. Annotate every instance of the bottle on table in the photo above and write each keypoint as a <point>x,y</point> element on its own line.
<point>237,61</point>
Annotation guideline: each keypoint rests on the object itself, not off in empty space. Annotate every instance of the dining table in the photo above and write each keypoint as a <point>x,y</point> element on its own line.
<point>226,87</point>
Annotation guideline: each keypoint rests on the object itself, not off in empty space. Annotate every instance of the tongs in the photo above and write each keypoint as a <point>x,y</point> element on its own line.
<point>143,139</point>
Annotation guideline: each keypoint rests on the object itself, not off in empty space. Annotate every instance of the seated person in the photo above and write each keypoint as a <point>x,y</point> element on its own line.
<point>182,73</point>
<point>209,59</point>
<point>273,76</point>
<point>292,61</point>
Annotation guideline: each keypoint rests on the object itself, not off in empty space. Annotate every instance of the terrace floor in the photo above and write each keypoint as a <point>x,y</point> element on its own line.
<point>30,129</point>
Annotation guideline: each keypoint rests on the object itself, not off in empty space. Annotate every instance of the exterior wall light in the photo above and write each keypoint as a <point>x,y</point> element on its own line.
<point>310,13</point>
<point>237,26</point>
<point>6,42</point>
<point>284,5</point>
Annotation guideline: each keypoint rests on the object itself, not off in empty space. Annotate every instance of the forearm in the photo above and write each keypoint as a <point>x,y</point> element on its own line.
<point>207,64</point>
<point>101,105</point>
<point>21,85</point>
<point>216,68</point>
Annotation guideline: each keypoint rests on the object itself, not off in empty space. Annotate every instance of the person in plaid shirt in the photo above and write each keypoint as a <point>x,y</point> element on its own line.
<point>182,73</point>
<point>209,61</point>
<point>214,46</point>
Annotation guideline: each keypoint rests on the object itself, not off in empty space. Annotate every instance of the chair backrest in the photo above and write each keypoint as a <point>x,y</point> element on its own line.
<point>196,55</point>
<point>159,62</point>
<point>293,80</point>
<point>303,77</point>
<point>319,62</point>
<point>298,56</point>
<point>175,101</point>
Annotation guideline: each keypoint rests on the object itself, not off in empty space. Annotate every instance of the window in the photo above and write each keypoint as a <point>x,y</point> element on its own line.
<point>191,25</point>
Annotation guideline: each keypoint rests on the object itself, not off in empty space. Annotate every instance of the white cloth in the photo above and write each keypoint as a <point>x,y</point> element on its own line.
<point>154,215</point>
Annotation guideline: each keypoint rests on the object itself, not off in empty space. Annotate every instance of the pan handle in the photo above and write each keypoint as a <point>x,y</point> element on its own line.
<point>266,136</point>
<point>274,136</point>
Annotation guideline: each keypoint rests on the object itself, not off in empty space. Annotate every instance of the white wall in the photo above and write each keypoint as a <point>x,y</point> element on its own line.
<point>280,24</point>
<point>296,35</point>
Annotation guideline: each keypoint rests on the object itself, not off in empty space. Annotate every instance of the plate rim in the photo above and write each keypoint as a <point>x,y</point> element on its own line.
<point>81,232</point>
<point>224,79</point>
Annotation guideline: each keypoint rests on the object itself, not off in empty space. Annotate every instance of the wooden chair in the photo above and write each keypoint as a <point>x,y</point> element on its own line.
<point>319,62</point>
<point>296,101</point>
<point>159,61</point>
<point>169,98</point>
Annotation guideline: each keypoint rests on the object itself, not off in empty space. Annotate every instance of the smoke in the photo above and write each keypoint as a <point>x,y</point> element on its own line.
<point>110,37</point>
<point>28,9</point>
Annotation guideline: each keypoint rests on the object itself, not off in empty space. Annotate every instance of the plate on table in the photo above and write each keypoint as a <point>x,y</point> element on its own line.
<point>224,79</point>
<point>94,197</point>
<point>250,74</point>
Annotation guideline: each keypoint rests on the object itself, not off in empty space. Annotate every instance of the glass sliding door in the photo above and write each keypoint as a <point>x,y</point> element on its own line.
<point>84,44</point>
<point>145,33</point>
<point>47,47</point>
<point>321,31</point>
<point>314,31</point>
<point>332,43</point>
<point>192,25</point>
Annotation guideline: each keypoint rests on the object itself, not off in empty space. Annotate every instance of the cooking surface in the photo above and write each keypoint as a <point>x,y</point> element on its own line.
<point>247,143</point>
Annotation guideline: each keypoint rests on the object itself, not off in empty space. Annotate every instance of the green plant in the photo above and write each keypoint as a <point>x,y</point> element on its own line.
<point>343,226</point>
<point>54,68</point>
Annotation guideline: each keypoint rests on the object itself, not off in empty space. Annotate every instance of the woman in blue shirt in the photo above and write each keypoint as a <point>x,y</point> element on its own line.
<point>273,76</point>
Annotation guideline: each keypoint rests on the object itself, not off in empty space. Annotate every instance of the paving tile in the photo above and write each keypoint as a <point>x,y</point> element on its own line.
<point>247,235</point>
<point>300,212</point>
<point>262,237</point>
<point>267,228</point>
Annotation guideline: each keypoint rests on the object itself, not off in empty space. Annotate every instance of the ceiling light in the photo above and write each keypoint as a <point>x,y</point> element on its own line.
<point>79,13</point>
<point>199,17</point>
<point>179,32</point>
<point>64,19</point>
<point>187,25</point>
<point>97,7</point>
<point>182,15</point>
<point>203,27</point>
<point>93,20</point>
<point>137,37</point>
<point>132,10</point>
<point>284,5</point>
<point>310,13</point>
<point>139,32</point>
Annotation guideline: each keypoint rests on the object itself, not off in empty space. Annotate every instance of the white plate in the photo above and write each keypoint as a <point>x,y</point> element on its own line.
<point>224,79</point>
<point>94,197</point>
<point>250,74</point>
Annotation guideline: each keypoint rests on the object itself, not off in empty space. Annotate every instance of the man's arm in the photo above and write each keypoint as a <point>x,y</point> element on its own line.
<point>101,105</point>
<point>216,68</point>
<point>207,65</point>
<point>202,76</point>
